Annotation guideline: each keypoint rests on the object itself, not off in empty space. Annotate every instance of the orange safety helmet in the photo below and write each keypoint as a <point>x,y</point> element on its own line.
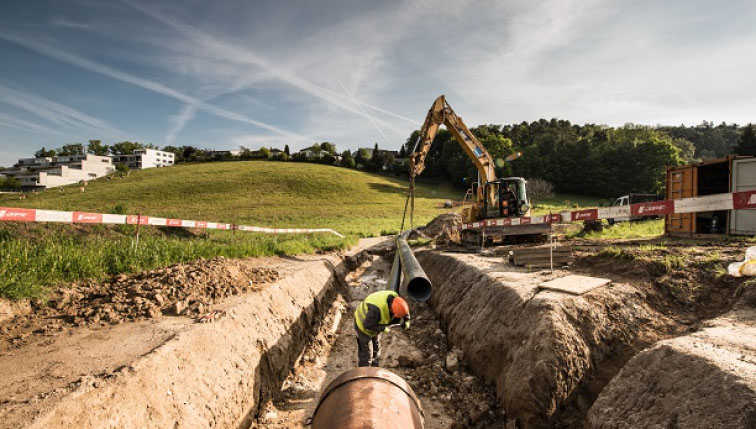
<point>399,307</point>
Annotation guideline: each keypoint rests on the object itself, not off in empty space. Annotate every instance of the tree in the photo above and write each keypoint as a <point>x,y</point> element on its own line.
<point>95,147</point>
<point>328,148</point>
<point>265,152</point>
<point>747,141</point>
<point>71,149</point>
<point>43,153</point>
<point>126,147</point>
<point>539,190</point>
<point>10,183</point>
<point>315,148</point>
<point>362,158</point>
<point>284,156</point>
<point>378,160</point>
<point>286,150</point>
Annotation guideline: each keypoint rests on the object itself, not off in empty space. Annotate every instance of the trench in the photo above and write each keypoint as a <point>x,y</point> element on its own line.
<point>488,350</point>
<point>527,358</point>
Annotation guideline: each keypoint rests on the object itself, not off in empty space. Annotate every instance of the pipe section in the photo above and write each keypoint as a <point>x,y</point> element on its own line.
<point>368,397</point>
<point>395,277</point>
<point>414,282</point>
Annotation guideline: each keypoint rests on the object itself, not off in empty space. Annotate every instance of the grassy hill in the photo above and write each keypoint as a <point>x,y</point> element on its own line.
<point>273,194</point>
<point>36,257</point>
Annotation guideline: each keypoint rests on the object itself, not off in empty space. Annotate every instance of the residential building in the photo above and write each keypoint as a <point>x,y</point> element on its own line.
<point>310,154</point>
<point>145,158</point>
<point>223,153</point>
<point>51,172</point>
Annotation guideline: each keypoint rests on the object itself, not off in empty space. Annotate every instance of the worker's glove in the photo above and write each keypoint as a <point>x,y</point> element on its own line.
<point>406,323</point>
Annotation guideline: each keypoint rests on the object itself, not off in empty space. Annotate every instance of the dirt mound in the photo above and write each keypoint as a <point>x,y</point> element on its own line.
<point>549,354</point>
<point>706,379</point>
<point>179,290</point>
<point>444,228</point>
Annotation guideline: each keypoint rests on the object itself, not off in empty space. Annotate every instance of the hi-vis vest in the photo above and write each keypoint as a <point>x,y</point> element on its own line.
<point>380,300</point>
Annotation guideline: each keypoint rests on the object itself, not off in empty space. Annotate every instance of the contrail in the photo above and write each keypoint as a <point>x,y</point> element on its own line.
<point>370,118</point>
<point>244,55</point>
<point>159,88</point>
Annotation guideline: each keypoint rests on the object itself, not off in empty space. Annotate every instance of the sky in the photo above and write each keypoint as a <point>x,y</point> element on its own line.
<point>233,73</point>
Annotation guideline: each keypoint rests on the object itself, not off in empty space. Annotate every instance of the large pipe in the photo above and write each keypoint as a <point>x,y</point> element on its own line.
<point>395,276</point>
<point>414,282</point>
<point>368,397</point>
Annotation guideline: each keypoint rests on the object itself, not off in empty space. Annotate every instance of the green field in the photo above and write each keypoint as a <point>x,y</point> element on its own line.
<point>36,257</point>
<point>271,194</point>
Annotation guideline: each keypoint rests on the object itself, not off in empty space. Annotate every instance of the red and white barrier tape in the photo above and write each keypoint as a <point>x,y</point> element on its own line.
<point>731,201</point>
<point>36,215</point>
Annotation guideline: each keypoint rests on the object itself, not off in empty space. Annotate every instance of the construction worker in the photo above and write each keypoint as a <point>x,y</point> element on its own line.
<point>373,316</point>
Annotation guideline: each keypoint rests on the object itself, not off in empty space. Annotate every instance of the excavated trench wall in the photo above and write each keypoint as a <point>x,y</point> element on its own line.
<point>702,380</point>
<point>549,354</point>
<point>211,375</point>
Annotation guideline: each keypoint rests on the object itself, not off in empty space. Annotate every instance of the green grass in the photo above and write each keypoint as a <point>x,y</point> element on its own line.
<point>30,266</point>
<point>35,257</point>
<point>273,194</point>
<point>629,230</point>
<point>560,202</point>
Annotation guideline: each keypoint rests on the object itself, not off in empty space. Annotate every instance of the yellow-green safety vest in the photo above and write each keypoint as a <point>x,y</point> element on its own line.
<point>380,300</point>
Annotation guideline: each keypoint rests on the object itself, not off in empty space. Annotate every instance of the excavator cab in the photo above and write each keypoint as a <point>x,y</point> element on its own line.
<point>506,198</point>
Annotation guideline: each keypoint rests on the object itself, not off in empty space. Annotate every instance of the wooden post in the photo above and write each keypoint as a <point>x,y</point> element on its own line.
<point>551,243</point>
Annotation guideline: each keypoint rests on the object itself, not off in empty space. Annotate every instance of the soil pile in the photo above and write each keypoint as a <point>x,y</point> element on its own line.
<point>550,354</point>
<point>444,228</point>
<point>180,290</point>
<point>706,379</point>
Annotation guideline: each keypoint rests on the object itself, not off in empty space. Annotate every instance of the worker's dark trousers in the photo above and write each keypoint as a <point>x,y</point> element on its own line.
<point>363,349</point>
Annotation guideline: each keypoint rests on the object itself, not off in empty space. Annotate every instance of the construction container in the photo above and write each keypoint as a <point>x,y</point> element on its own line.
<point>717,176</point>
<point>743,222</point>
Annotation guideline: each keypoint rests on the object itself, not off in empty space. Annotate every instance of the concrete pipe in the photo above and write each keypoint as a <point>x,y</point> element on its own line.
<point>368,398</point>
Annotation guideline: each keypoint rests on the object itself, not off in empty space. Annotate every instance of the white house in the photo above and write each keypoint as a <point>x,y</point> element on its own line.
<point>51,172</point>
<point>145,158</point>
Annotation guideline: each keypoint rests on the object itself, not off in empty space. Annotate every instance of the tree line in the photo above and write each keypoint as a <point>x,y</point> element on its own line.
<point>588,159</point>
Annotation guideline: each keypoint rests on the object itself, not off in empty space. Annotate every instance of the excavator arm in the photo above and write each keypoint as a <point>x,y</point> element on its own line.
<point>441,113</point>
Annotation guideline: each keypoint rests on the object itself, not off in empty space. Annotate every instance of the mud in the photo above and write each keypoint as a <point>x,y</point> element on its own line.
<point>549,354</point>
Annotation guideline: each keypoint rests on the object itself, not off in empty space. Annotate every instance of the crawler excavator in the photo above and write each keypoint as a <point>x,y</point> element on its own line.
<point>492,197</point>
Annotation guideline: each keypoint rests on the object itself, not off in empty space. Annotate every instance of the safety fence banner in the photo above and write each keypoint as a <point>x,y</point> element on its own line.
<point>731,201</point>
<point>36,215</point>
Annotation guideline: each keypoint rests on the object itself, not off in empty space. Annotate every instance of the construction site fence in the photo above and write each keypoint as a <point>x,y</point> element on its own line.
<point>706,203</point>
<point>11,214</point>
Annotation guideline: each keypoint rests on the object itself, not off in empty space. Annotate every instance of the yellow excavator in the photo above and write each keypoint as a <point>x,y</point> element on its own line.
<point>492,197</point>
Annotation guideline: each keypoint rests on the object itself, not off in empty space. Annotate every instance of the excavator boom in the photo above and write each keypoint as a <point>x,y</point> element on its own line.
<point>441,113</point>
